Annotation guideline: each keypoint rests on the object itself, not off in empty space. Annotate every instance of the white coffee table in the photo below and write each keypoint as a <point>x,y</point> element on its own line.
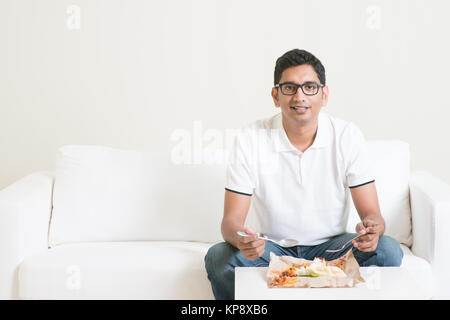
<point>381,283</point>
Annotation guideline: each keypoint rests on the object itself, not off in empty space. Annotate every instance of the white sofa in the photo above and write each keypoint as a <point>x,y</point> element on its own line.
<point>118,224</point>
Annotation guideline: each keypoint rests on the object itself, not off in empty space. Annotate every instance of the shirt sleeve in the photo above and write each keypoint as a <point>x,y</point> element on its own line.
<point>358,163</point>
<point>241,176</point>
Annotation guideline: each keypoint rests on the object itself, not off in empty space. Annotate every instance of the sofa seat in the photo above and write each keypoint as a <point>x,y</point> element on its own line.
<point>117,270</point>
<point>131,270</point>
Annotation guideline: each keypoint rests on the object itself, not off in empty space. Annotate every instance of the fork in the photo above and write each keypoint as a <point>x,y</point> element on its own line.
<point>345,244</point>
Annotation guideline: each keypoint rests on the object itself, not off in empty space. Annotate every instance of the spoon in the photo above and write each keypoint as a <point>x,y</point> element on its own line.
<point>282,243</point>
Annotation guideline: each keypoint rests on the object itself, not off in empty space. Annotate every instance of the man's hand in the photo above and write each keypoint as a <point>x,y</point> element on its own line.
<point>251,247</point>
<point>371,231</point>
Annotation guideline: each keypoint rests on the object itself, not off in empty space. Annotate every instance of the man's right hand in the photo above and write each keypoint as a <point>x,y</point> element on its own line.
<point>250,246</point>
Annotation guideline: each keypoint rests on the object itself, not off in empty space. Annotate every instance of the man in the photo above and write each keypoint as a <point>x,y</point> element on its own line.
<point>298,167</point>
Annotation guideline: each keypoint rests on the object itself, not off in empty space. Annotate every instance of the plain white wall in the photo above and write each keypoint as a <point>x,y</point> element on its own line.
<point>128,74</point>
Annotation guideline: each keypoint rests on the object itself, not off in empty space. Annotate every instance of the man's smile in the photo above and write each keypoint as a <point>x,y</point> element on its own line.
<point>300,109</point>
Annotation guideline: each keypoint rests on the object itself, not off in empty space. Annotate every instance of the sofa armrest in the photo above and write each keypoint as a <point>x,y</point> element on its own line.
<point>430,210</point>
<point>25,209</point>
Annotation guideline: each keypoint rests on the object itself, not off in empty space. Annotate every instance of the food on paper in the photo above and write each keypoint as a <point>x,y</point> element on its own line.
<point>290,272</point>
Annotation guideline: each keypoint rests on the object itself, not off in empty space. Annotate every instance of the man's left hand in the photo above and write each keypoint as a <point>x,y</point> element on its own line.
<point>371,231</point>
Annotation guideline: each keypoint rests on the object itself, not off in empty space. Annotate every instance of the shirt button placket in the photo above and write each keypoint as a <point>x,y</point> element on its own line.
<point>300,175</point>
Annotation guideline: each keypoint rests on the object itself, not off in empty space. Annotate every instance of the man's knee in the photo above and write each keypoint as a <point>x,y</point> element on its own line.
<point>389,252</point>
<point>219,264</point>
<point>218,256</point>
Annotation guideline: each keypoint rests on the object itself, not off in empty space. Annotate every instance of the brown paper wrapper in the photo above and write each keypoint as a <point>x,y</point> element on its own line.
<point>278,264</point>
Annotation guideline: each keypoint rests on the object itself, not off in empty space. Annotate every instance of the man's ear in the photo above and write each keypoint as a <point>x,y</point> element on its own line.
<point>325,93</point>
<point>275,96</point>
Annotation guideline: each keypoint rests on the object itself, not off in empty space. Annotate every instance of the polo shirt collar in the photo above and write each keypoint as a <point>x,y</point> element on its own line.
<point>281,141</point>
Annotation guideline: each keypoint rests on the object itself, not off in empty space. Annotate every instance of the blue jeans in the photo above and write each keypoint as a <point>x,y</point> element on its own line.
<point>222,258</point>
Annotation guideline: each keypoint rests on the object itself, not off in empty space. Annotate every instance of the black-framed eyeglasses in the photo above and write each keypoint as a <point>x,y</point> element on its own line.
<point>309,88</point>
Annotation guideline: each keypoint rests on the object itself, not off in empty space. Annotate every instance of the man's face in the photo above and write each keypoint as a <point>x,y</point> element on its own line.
<point>313,104</point>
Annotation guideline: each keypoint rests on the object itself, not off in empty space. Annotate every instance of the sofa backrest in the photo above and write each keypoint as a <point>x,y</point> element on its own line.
<point>391,167</point>
<point>107,194</point>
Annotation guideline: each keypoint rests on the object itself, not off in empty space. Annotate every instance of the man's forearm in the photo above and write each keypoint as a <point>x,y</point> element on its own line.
<point>229,229</point>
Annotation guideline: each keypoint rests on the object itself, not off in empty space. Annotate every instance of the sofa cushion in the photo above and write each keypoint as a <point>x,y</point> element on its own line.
<point>391,167</point>
<point>117,270</point>
<point>107,194</point>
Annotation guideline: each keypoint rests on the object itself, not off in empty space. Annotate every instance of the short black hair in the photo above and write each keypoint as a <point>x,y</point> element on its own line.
<point>297,57</point>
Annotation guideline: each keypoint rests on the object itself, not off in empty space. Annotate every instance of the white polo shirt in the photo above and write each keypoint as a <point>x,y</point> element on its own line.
<point>299,195</point>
